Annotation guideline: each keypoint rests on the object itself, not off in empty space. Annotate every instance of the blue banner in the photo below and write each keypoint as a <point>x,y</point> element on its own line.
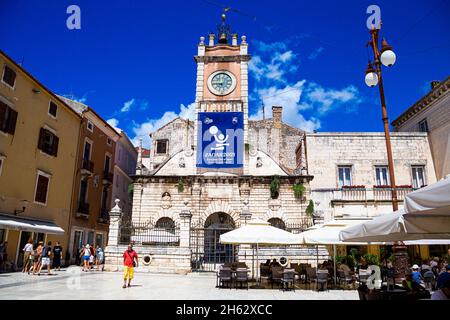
<point>220,142</point>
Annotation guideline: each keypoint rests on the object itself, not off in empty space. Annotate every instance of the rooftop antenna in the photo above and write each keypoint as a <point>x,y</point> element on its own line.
<point>264,111</point>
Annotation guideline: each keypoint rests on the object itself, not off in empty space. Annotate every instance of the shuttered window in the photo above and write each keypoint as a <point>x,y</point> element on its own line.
<point>8,118</point>
<point>9,76</point>
<point>41,188</point>
<point>52,109</point>
<point>48,142</point>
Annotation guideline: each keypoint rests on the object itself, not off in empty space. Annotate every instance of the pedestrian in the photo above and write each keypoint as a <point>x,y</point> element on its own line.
<point>86,254</point>
<point>443,277</point>
<point>27,255</point>
<point>3,255</point>
<point>45,258</point>
<point>130,261</point>
<point>37,256</point>
<point>57,256</point>
<point>100,258</point>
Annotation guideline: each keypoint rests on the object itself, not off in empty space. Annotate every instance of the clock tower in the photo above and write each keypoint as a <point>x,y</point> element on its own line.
<point>221,114</point>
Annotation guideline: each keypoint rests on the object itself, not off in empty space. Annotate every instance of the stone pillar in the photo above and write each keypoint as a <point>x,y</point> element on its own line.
<point>185,225</point>
<point>113,260</point>
<point>115,218</point>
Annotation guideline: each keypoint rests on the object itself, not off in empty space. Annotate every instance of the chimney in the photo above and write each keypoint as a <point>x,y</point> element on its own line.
<point>434,84</point>
<point>277,116</point>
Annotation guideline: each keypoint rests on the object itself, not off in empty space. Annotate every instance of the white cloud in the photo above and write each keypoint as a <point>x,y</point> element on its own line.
<point>273,63</point>
<point>289,98</point>
<point>265,47</point>
<point>142,130</point>
<point>324,100</point>
<point>313,55</point>
<point>127,105</point>
<point>113,122</point>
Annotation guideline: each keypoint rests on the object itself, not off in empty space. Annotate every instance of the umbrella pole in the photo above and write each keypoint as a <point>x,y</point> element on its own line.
<point>253,261</point>
<point>317,256</point>
<point>334,259</point>
<point>257,263</point>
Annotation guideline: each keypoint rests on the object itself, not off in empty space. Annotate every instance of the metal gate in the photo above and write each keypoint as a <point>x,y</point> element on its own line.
<point>207,253</point>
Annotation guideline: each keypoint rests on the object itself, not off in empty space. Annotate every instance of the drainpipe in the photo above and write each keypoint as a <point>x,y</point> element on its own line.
<point>72,200</point>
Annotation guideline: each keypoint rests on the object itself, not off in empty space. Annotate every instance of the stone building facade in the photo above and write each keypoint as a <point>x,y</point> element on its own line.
<point>431,114</point>
<point>362,155</point>
<point>174,194</point>
<point>182,204</point>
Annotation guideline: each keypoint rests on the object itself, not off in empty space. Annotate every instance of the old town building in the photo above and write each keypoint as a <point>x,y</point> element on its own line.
<point>93,180</point>
<point>38,154</point>
<point>211,175</point>
<point>124,167</point>
<point>208,176</point>
<point>431,114</point>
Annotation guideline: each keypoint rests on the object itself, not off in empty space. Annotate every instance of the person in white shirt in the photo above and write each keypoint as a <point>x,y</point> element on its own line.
<point>28,253</point>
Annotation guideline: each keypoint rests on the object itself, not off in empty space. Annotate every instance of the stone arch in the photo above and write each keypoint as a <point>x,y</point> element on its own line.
<point>278,223</point>
<point>165,222</point>
<point>167,213</point>
<point>220,206</point>
<point>276,214</point>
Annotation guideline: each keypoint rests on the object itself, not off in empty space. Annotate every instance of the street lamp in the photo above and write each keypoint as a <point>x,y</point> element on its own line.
<point>373,77</point>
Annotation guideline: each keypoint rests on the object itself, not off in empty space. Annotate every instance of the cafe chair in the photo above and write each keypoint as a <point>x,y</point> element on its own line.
<point>287,280</point>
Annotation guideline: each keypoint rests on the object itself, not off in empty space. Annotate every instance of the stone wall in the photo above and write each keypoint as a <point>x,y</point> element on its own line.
<point>162,259</point>
<point>362,151</point>
<point>179,133</point>
<point>207,195</point>
<point>437,116</point>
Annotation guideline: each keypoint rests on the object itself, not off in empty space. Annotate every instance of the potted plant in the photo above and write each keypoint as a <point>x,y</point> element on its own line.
<point>275,187</point>
<point>310,208</point>
<point>299,190</point>
<point>180,186</point>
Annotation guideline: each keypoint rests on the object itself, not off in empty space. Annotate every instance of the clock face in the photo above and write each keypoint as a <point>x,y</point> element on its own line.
<point>221,83</point>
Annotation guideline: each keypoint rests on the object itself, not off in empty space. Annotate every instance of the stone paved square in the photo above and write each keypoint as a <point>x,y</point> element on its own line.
<point>146,286</point>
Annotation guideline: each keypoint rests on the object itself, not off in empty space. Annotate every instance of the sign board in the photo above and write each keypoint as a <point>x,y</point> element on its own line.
<point>220,141</point>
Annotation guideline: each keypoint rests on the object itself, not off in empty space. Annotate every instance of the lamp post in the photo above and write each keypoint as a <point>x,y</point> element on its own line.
<point>373,77</point>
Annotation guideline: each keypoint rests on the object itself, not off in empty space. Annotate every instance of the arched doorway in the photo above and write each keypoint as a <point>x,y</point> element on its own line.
<point>206,250</point>
<point>216,252</point>
<point>277,223</point>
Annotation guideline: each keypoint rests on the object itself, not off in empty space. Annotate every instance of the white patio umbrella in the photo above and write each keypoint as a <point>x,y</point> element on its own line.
<point>426,215</point>
<point>436,195</point>
<point>328,234</point>
<point>400,226</point>
<point>258,232</point>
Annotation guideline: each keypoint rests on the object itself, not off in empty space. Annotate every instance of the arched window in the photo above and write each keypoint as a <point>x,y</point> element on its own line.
<point>165,223</point>
<point>277,223</point>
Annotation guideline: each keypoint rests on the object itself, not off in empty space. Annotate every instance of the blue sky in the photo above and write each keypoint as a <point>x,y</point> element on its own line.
<point>132,61</point>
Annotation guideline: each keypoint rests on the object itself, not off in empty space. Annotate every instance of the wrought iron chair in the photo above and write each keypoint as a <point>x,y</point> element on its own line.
<point>264,272</point>
<point>345,279</point>
<point>322,279</point>
<point>311,276</point>
<point>225,277</point>
<point>288,278</point>
<point>277,274</point>
<point>242,277</point>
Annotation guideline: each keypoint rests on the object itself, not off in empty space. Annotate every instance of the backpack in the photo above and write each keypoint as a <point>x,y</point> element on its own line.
<point>46,251</point>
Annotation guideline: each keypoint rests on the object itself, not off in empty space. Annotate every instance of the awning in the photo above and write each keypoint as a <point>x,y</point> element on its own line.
<point>29,224</point>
